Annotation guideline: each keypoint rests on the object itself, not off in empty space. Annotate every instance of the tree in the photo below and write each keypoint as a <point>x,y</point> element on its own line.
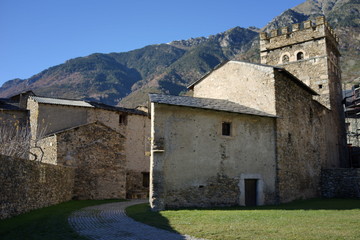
<point>15,140</point>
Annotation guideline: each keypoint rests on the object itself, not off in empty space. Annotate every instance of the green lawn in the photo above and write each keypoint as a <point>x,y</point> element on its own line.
<point>48,223</point>
<point>310,219</point>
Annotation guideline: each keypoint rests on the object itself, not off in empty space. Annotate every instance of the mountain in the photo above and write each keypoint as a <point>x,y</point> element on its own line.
<point>129,76</point>
<point>315,7</point>
<point>126,78</point>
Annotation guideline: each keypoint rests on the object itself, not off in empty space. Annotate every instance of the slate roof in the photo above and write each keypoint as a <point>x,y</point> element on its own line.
<point>207,103</point>
<point>76,127</point>
<point>121,109</point>
<point>58,101</point>
<point>81,103</point>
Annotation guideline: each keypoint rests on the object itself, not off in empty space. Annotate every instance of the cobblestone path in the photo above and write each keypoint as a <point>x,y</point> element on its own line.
<point>109,222</point>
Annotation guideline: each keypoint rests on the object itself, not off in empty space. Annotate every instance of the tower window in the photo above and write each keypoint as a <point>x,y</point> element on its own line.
<point>320,86</point>
<point>226,128</point>
<point>285,59</point>
<point>300,55</point>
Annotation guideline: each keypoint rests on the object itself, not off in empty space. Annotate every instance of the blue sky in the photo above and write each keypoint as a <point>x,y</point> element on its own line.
<point>38,34</point>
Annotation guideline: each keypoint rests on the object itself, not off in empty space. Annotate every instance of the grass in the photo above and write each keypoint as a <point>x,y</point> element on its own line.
<point>309,219</point>
<point>48,223</point>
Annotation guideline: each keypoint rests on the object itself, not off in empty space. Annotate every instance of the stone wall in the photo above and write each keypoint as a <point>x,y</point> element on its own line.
<point>340,183</point>
<point>50,119</point>
<point>136,129</point>
<point>46,150</point>
<point>236,81</point>
<point>14,134</point>
<point>320,57</point>
<point>318,67</point>
<point>13,118</point>
<point>46,119</point>
<point>193,164</point>
<point>306,130</point>
<point>137,184</point>
<point>27,185</point>
<point>137,149</point>
<point>97,154</point>
<point>305,142</point>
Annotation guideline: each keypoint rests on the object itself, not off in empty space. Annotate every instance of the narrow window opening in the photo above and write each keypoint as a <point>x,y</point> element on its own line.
<point>300,56</point>
<point>320,86</point>
<point>289,138</point>
<point>146,179</point>
<point>285,59</point>
<point>122,119</point>
<point>226,128</point>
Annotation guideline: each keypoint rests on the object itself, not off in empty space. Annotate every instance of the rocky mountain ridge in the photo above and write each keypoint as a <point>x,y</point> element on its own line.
<point>126,78</point>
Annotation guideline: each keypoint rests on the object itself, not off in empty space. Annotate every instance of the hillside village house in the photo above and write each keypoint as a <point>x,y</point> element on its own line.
<point>253,134</point>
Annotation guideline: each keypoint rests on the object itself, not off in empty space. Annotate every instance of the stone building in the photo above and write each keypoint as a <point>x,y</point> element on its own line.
<point>352,115</point>
<point>11,114</point>
<point>252,134</point>
<point>14,132</point>
<point>49,116</point>
<point>13,110</point>
<point>97,154</point>
<point>310,52</point>
<point>107,143</point>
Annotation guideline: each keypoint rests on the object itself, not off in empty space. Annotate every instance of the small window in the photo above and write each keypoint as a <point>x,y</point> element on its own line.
<point>146,179</point>
<point>285,59</point>
<point>300,56</point>
<point>226,128</point>
<point>320,86</point>
<point>122,119</point>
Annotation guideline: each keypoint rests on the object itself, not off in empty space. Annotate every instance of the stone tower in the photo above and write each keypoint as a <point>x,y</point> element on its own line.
<point>310,52</point>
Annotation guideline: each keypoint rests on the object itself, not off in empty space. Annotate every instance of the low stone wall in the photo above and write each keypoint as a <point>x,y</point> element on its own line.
<point>28,185</point>
<point>218,191</point>
<point>340,182</point>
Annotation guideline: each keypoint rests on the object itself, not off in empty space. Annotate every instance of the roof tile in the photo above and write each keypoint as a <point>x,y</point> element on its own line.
<point>207,103</point>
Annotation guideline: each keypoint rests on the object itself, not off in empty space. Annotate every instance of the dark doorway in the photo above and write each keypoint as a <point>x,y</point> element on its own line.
<point>146,179</point>
<point>250,192</point>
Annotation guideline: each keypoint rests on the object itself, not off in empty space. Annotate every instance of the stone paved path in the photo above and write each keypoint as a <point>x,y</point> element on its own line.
<point>109,222</point>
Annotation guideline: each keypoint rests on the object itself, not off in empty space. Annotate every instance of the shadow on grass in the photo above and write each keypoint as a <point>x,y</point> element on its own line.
<point>142,213</point>
<point>46,223</point>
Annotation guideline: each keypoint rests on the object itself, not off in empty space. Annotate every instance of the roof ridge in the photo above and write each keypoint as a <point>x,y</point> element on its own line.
<point>207,104</point>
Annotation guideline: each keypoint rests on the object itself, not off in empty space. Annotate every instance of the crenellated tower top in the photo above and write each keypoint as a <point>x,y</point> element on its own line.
<point>297,33</point>
<point>309,51</point>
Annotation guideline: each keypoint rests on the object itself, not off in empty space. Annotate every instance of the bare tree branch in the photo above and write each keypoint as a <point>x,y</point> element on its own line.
<point>15,140</point>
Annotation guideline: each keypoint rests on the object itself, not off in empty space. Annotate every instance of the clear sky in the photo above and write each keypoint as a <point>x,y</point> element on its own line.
<point>38,34</point>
